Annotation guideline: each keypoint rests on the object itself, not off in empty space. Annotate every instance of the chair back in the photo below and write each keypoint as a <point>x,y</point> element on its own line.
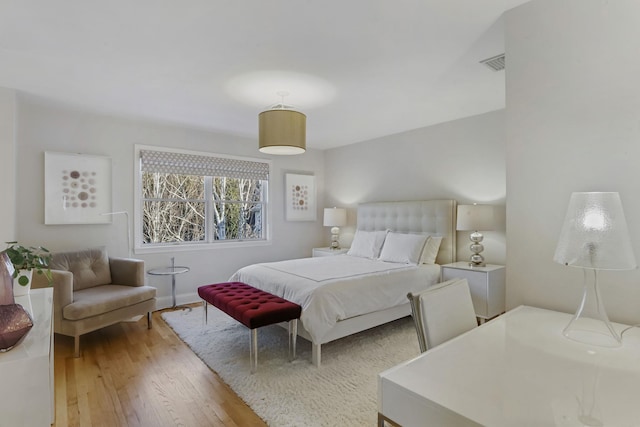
<point>442,312</point>
<point>90,267</point>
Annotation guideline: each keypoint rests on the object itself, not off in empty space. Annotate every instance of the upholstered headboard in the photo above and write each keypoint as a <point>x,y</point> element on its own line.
<point>436,217</point>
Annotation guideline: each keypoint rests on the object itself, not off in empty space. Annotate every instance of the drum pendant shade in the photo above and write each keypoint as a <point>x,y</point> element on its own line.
<point>282,132</point>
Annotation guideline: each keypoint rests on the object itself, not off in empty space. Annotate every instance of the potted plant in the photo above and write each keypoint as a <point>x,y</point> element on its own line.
<point>26,260</point>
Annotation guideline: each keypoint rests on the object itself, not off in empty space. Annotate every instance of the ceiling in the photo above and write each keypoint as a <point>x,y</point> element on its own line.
<point>359,69</point>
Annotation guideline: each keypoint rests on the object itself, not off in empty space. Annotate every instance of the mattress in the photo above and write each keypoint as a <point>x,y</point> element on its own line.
<point>335,288</point>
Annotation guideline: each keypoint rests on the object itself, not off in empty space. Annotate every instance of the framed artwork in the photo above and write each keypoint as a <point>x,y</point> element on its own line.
<point>77,188</point>
<point>300,197</point>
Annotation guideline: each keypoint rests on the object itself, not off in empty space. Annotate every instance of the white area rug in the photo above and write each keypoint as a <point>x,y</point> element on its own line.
<point>342,392</point>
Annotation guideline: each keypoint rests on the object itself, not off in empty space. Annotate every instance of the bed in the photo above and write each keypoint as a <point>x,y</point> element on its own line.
<point>344,294</point>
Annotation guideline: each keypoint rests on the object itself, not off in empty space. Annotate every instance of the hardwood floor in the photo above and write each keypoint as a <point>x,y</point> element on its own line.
<point>128,375</point>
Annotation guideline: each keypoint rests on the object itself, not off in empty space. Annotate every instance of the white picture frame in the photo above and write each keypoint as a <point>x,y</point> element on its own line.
<point>77,188</point>
<point>300,197</point>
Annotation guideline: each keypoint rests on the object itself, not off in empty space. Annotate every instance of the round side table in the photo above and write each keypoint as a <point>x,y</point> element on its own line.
<point>172,271</point>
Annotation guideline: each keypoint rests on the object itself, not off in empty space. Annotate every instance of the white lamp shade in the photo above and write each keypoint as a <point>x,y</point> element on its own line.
<point>335,217</point>
<point>595,234</point>
<point>475,218</point>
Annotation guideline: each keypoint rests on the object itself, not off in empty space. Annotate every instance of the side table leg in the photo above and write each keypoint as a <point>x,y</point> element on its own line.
<point>173,289</point>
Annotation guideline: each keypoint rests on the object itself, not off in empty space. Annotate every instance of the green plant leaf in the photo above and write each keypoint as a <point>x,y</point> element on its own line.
<point>29,258</point>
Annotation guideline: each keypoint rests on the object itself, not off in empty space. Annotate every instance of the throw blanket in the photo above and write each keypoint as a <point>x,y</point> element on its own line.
<point>334,267</point>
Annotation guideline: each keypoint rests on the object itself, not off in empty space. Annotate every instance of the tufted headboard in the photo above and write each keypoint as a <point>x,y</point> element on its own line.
<point>436,217</point>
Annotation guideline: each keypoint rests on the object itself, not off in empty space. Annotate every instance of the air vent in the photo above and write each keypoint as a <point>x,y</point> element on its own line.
<point>496,63</point>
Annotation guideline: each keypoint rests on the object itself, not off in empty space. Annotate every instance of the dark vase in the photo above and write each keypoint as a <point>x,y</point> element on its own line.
<point>15,321</point>
<point>6,279</point>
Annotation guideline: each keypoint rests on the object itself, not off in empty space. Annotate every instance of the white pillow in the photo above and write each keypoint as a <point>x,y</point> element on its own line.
<point>404,248</point>
<point>430,251</point>
<point>367,244</point>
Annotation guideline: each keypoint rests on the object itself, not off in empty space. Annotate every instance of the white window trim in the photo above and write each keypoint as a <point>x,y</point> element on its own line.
<point>138,246</point>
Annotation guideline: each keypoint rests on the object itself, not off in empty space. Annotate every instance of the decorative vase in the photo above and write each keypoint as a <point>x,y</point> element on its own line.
<point>6,280</point>
<point>15,322</point>
<point>18,289</point>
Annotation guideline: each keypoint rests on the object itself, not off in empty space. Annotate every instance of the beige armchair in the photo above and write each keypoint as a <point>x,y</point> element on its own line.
<point>93,290</point>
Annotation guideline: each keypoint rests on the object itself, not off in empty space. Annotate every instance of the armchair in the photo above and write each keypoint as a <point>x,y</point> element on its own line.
<point>93,290</point>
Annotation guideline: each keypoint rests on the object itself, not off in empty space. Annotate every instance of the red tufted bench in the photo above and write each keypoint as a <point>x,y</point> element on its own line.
<point>253,308</point>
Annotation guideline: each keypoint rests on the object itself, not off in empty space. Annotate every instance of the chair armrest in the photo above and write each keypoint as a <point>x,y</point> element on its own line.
<point>127,271</point>
<point>62,282</point>
<point>62,292</point>
<point>40,280</point>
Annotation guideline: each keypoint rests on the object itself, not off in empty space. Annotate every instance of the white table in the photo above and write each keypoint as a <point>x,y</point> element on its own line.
<point>516,370</point>
<point>26,371</point>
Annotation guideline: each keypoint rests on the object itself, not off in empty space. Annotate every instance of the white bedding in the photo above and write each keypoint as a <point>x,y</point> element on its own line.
<point>335,288</point>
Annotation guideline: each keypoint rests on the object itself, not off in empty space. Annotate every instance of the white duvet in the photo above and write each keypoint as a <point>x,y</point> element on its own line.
<point>335,288</point>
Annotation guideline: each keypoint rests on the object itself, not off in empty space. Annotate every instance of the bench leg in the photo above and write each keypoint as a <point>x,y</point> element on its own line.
<point>204,307</point>
<point>293,336</point>
<point>253,350</point>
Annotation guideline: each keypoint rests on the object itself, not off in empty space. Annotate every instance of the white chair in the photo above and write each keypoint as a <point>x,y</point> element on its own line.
<point>442,312</point>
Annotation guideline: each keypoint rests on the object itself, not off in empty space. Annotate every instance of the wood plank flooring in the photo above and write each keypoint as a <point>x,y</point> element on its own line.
<point>128,375</point>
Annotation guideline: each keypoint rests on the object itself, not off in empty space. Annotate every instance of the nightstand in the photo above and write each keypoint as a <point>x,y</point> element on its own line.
<point>487,286</point>
<point>316,252</point>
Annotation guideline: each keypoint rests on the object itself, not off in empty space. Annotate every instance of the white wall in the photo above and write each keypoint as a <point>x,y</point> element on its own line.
<point>44,126</point>
<point>7,165</point>
<point>462,160</point>
<point>572,124</point>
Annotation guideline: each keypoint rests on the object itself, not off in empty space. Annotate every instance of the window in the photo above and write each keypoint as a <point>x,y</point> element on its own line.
<point>198,198</point>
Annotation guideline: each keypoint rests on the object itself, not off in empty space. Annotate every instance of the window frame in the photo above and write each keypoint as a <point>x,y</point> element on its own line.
<point>140,247</point>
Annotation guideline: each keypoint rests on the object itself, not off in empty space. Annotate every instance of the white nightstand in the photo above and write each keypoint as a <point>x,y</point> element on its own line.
<point>487,286</point>
<point>316,252</point>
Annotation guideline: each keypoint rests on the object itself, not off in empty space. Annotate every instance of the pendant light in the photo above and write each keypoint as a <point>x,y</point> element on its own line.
<point>282,130</point>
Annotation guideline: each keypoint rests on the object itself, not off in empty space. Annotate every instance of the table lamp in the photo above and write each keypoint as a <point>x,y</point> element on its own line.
<point>594,237</point>
<point>473,218</point>
<point>335,218</point>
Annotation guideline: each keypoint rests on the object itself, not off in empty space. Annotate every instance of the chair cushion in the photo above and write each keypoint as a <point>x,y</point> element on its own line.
<point>105,298</point>
<point>90,267</point>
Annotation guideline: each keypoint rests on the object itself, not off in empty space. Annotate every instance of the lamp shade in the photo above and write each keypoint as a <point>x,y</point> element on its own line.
<point>594,234</point>
<point>475,218</point>
<point>335,217</point>
<point>282,132</point>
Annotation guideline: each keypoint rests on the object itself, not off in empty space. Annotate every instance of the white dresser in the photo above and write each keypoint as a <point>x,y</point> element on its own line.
<point>26,371</point>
